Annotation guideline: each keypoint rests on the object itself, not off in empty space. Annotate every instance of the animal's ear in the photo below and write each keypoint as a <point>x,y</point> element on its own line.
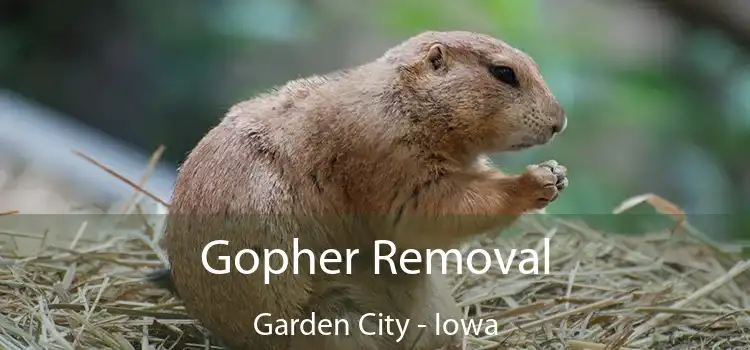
<point>437,56</point>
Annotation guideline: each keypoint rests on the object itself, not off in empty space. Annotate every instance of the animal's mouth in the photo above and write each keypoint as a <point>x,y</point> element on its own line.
<point>528,142</point>
<point>520,146</point>
<point>518,142</point>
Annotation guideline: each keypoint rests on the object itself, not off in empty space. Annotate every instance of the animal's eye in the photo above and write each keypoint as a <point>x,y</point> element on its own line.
<point>504,74</point>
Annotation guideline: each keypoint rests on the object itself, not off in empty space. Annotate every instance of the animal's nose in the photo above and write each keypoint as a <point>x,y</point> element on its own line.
<point>560,127</point>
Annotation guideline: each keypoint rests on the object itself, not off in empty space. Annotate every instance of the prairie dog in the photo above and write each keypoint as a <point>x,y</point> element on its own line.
<point>395,149</point>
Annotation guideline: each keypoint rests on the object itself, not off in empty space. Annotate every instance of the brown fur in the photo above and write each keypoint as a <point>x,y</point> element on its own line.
<point>393,149</point>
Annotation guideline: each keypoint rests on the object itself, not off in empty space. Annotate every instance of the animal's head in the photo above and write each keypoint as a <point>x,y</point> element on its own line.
<point>477,90</point>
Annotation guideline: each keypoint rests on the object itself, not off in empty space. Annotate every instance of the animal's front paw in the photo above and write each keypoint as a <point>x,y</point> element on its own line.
<point>542,183</point>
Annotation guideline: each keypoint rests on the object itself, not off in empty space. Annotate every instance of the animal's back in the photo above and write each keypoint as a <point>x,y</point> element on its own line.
<point>232,188</point>
<point>253,181</point>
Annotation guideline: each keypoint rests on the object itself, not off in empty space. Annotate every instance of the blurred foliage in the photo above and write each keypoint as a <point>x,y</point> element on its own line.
<point>137,69</point>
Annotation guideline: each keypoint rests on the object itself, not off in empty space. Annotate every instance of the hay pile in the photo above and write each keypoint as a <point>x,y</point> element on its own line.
<point>660,291</point>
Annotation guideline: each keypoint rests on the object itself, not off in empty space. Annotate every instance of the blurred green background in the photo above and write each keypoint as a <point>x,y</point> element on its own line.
<point>657,92</point>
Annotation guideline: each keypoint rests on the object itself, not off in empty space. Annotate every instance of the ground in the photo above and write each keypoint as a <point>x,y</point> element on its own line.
<point>663,290</point>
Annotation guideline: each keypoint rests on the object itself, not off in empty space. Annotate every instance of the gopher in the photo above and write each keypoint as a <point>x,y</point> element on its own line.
<point>395,149</point>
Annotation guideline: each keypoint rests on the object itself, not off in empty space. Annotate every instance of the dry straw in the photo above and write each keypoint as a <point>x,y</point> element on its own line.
<point>663,290</point>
